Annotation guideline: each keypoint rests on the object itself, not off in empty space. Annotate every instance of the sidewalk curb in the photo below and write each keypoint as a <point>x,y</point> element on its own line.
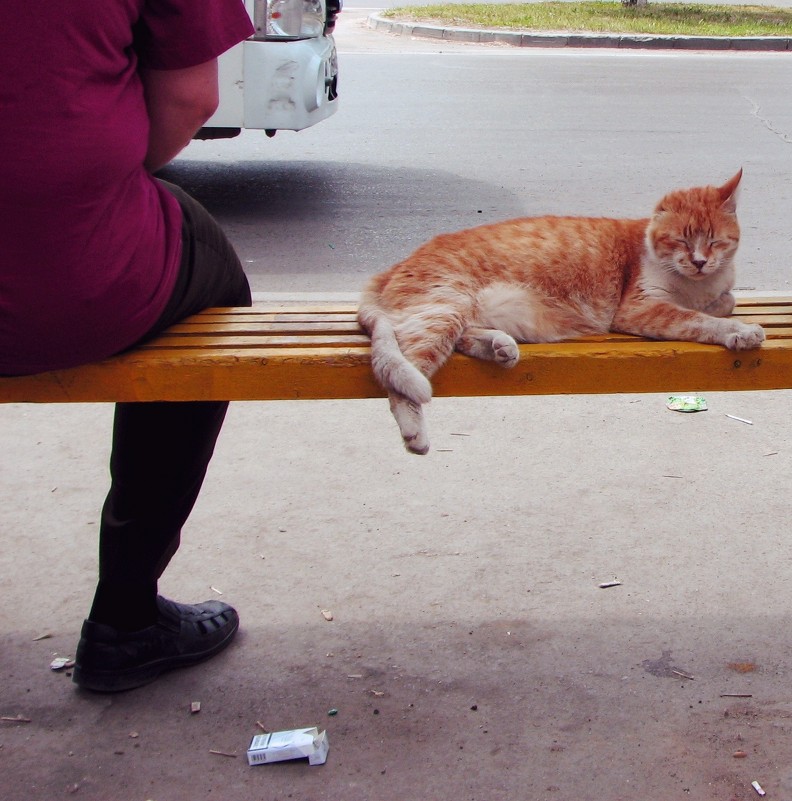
<point>607,40</point>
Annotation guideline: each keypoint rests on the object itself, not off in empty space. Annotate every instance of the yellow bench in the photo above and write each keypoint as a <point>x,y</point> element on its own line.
<point>314,351</point>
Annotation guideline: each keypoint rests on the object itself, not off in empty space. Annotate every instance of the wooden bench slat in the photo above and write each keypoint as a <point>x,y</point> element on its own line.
<point>317,351</point>
<point>318,373</point>
<point>766,319</point>
<point>234,341</point>
<point>265,319</point>
<point>749,311</point>
<point>231,342</point>
<point>745,301</point>
<point>242,314</point>
<point>200,329</point>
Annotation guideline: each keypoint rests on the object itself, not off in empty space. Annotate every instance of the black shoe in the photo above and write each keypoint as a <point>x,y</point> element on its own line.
<point>109,660</point>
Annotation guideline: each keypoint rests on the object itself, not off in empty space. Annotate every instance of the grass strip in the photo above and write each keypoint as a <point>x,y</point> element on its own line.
<point>608,17</point>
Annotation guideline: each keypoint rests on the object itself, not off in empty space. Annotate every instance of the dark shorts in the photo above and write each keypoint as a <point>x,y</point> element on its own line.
<point>210,273</point>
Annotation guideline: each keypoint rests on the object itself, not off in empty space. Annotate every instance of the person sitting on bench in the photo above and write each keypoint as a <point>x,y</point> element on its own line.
<point>99,255</point>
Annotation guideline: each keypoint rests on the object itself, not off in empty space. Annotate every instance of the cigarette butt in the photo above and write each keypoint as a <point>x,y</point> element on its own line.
<point>740,420</point>
<point>327,614</point>
<point>758,788</point>
<point>221,753</point>
<point>195,707</point>
<point>606,584</point>
<point>214,589</point>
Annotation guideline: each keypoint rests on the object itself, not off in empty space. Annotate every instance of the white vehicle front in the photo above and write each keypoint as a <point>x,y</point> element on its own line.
<point>285,77</point>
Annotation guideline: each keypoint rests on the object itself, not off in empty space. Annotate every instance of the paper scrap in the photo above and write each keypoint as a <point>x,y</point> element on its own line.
<point>686,403</point>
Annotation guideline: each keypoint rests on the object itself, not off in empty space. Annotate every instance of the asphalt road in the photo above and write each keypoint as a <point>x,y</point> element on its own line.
<point>433,137</point>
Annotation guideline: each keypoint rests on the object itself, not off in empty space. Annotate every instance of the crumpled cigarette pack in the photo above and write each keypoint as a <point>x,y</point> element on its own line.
<point>277,746</point>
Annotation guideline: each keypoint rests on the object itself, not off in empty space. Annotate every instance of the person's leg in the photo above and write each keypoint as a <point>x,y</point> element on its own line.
<point>161,450</point>
<point>159,459</point>
<point>160,455</point>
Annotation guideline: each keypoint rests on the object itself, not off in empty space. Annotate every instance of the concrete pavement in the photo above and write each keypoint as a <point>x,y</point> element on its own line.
<point>472,653</point>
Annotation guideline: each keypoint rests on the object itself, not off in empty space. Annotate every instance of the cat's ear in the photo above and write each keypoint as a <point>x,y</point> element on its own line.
<point>729,192</point>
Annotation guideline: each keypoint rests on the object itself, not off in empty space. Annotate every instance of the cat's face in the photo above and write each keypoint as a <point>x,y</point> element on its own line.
<point>694,232</point>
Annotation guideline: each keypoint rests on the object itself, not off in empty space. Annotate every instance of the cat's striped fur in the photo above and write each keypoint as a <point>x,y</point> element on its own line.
<point>543,279</point>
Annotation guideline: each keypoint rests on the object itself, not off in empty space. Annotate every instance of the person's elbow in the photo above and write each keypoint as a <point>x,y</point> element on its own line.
<point>191,94</point>
<point>201,104</point>
<point>196,101</point>
<point>178,102</point>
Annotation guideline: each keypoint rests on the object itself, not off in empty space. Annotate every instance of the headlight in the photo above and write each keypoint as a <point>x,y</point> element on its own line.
<point>289,19</point>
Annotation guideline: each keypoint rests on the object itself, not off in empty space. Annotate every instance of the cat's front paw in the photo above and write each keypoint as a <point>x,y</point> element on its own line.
<point>505,350</point>
<point>748,337</point>
<point>722,306</point>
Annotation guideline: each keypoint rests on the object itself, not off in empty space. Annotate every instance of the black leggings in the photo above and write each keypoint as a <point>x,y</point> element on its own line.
<point>161,450</point>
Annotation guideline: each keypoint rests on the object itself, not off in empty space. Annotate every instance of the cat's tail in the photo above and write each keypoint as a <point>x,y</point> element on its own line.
<point>391,368</point>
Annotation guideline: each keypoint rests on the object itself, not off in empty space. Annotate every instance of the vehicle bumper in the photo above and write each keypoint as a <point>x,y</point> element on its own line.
<point>285,85</point>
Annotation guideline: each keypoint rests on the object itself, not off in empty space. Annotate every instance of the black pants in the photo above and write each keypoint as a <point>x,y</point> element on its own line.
<point>161,450</point>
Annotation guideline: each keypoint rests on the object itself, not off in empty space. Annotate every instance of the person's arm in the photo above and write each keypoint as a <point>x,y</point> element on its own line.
<point>179,102</point>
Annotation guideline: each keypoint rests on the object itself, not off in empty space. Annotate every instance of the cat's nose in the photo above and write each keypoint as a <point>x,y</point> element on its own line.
<point>699,263</point>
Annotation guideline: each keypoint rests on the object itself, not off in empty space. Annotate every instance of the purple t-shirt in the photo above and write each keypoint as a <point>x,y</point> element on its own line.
<point>89,242</point>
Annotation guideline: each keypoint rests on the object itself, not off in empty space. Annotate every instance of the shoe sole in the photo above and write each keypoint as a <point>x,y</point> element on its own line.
<point>117,681</point>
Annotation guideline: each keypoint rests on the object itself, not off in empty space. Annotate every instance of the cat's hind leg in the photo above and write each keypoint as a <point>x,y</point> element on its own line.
<point>410,418</point>
<point>426,339</point>
<point>490,344</point>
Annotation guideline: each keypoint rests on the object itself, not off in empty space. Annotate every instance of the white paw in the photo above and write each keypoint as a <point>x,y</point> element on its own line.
<point>417,443</point>
<point>410,419</point>
<point>505,349</point>
<point>748,337</point>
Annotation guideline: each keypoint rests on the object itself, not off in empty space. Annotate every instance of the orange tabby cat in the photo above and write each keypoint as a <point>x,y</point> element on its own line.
<point>543,279</point>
